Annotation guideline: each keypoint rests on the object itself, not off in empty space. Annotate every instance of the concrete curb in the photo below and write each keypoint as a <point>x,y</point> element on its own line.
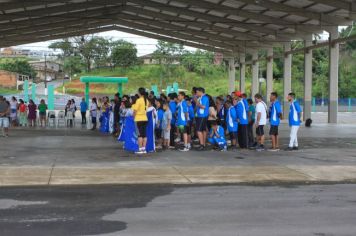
<point>69,175</point>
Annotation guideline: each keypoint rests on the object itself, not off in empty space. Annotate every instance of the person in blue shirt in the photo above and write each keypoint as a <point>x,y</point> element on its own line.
<point>182,119</point>
<point>251,122</point>
<point>158,129</point>
<point>275,116</point>
<point>202,111</point>
<point>244,99</point>
<point>294,121</point>
<point>191,119</point>
<point>231,122</point>
<point>242,118</point>
<point>83,111</point>
<point>173,107</point>
<point>217,136</point>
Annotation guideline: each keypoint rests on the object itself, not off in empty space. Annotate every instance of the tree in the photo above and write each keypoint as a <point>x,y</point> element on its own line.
<point>73,65</point>
<point>123,54</point>
<point>167,53</point>
<point>20,66</point>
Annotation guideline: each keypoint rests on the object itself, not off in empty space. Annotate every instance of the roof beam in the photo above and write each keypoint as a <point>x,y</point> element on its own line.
<point>251,15</point>
<point>213,19</point>
<point>325,20</point>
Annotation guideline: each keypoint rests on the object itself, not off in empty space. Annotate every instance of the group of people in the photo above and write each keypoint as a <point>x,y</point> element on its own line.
<point>19,113</point>
<point>144,122</point>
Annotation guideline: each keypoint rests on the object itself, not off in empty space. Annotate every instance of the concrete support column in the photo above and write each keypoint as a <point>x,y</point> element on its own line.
<point>232,73</point>
<point>242,72</point>
<point>308,77</point>
<point>333,75</point>
<point>269,79</point>
<point>255,68</point>
<point>287,80</point>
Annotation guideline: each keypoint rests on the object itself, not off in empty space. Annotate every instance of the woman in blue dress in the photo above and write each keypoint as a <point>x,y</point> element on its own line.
<point>150,130</point>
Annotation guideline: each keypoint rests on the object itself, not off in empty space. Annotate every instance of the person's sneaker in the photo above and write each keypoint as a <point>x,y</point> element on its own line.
<point>177,140</point>
<point>201,148</point>
<point>288,149</point>
<point>260,148</point>
<point>184,149</point>
<point>295,148</point>
<point>139,152</point>
<point>224,149</point>
<point>273,150</point>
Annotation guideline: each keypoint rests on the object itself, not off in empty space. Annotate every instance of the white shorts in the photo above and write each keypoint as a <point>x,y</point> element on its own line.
<point>4,122</point>
<point>166,134</point>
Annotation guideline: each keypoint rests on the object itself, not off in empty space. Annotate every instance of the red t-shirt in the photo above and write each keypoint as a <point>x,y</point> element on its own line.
<point>22,108</point>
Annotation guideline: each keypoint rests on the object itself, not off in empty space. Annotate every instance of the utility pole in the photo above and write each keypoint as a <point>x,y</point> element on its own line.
<point>45,74</point>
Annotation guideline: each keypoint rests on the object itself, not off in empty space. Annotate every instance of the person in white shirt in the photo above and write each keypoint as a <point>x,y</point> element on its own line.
<point>261,121</point>
<point>93,112</point>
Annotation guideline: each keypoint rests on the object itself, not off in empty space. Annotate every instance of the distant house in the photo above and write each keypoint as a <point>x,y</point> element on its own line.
<point>52,70</point>
<point>11,79</point>
<point>12,52</point>
<point>149,59</point>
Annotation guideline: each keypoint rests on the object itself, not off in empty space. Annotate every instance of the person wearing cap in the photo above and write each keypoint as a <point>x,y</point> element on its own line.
<point>242,118</point>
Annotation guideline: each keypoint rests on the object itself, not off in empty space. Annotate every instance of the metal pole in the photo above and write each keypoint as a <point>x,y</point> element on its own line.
<point>45,74</point>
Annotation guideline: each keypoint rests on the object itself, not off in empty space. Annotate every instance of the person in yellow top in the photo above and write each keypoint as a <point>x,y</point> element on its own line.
<point>140,114</point>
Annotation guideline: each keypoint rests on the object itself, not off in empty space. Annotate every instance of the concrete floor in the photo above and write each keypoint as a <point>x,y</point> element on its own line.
<point>151,210</point>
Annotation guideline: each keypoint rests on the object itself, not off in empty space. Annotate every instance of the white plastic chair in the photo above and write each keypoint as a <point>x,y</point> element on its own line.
<point>69,118</point>
<point>51,117</point>
<point>61,117</point>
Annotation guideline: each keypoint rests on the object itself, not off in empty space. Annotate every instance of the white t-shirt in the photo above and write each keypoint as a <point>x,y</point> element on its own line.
<point>261,107</point>
<point>93,109</point>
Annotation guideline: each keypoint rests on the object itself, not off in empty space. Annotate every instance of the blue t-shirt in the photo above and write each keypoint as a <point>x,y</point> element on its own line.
<point>241,112</point>
<point>204,101</point>
<point>221,132</point>
<point>173,108</point>
<point>274,113</point>
<point>191,113</point>
<point>83,106</point>
<point>294,114</point>
<point>231,120</point>
<point>246,104</point>
<point>182,110</point>
<point>160,113</point>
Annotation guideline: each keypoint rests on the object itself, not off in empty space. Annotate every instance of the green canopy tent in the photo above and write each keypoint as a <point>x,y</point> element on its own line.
<point>103,80</point>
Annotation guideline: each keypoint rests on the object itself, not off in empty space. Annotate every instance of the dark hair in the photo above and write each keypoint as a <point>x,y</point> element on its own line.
<point>211,102</point>
<point>182,93</point>
<point>172,96</point>
<point>258,96</point>
<point>163,96</point>
<point>31,101</point>
<point>94,100</point>
<point>133,98</point>
<point>117,95</point>
<point>244,95</point>
<point>194,89</point>
<point>213,122</point>
<point>200,89</point>
<point>187,98</point>
<point>14,98</point>
<point>21,101</point>
<point>274,94</point>
<point>127,104</point>
<point>292,95</point>
<point>249,101</point>
<point>142,92</point>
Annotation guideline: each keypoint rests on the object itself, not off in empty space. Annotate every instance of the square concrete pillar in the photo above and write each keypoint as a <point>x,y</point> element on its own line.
<point>255,69</point>
<point>308,77</point>
<point>242,72</point>
<point>287,80</point>
<point>232,75</point>
<point>333,75</point>
<point>269,79</point>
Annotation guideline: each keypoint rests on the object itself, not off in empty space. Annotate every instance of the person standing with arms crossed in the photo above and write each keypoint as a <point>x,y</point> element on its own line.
<point>294,122</point>
<point>261,121</point>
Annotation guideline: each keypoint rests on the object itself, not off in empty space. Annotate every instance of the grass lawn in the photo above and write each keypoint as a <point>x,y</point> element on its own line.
<point>215,82</point>
<point>4,91</point>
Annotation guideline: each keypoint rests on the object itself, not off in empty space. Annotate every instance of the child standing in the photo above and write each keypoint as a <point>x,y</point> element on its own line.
<point>22,113</point>
<point>166,125</point>
<point>158,130</point>
<point>183,118</point>
<point>231,122</point>
<point>42,108</point>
